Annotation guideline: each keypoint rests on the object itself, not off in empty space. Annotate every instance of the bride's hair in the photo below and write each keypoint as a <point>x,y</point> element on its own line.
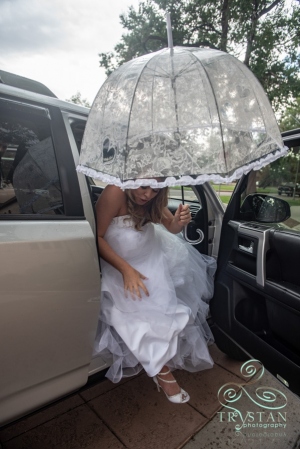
<point>152,211</point>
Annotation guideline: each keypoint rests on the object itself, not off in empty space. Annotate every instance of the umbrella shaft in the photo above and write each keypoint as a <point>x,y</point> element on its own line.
<point>169,32</point>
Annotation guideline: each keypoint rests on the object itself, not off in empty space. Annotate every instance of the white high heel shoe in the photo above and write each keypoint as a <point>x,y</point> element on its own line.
<point>179,398</point>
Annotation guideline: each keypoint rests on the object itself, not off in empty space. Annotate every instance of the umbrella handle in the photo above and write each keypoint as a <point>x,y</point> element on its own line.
<point>193,242</point>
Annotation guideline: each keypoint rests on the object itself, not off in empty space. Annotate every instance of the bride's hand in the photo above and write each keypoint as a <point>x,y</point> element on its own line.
<point>133,282</point>
<point>183,215</point>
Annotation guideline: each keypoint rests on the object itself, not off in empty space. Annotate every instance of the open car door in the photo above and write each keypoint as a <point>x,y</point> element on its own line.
<point>257,287</point>
<point>49,269</point>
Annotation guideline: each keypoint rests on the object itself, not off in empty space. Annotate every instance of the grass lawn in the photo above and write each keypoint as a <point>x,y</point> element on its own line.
<point>292,202</point>
<point>267,190</point>
<point>225,198</point>
<point>217,187</point>
<point>223,187</point>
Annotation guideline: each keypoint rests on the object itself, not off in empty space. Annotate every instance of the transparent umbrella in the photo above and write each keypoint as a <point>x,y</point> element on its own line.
<point>183,116</point>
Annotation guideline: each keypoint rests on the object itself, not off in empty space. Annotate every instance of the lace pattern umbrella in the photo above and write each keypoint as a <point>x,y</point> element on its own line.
<point>183,115</point>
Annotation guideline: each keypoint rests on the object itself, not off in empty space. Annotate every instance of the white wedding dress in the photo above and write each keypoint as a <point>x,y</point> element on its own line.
<point>169,326</point>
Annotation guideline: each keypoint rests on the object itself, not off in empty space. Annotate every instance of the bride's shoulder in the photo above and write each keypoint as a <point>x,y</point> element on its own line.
<point>114,193</point>
<point>111,202</point>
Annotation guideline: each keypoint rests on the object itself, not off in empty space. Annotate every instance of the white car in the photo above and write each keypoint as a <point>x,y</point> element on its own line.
<point>49,266</point>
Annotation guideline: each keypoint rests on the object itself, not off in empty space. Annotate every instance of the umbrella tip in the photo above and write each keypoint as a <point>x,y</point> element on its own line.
<point>169,32</point>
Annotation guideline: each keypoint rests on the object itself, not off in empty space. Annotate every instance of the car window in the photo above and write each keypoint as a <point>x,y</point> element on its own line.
<point>280,179</point>
<point>175,193</point>
<point>223,191</point>
<point>186,193</point>
<point>77,127</point>
<point>30,182</point>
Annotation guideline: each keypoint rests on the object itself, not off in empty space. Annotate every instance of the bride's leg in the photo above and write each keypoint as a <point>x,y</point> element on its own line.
<point>166,375</point>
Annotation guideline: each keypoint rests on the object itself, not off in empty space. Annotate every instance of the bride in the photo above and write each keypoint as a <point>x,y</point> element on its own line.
<point>155,289</point>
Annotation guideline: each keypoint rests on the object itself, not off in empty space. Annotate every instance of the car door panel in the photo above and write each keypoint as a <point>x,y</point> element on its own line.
<point>284,289</point>
<point>50,286</point>
<point>286,248</point>
<point>257,293</point>
<point>49,268</point>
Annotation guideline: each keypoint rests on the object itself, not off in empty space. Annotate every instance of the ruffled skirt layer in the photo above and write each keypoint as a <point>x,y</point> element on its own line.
<point>167,328</point>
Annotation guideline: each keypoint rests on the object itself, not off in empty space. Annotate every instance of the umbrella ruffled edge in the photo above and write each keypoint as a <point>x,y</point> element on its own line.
<point>186,180</point>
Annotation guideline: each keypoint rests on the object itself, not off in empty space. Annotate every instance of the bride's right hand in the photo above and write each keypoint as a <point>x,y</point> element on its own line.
<point>133,282</point>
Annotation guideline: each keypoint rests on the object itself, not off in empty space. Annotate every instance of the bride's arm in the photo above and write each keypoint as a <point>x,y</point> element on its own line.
<point>110,203</point>
<point>175,223</point>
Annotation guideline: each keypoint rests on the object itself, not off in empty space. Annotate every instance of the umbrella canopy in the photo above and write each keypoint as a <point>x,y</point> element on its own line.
<point>182,115</point>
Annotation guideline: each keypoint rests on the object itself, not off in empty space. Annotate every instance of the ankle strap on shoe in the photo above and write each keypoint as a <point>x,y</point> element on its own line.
<point>164,374</point>
<point>167,381</point>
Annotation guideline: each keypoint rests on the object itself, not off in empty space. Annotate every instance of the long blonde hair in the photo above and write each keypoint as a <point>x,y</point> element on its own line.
<point>152,211</point>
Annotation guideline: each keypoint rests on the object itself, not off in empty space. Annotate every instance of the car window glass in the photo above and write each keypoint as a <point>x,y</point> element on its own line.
<point>29,176</point>
<point>280,179</point>
<point>223,191</point>
<point>177,192</point>
<point>77,127</point>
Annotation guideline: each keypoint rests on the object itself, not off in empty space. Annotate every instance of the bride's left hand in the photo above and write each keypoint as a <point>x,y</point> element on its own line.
<point>183,215</point>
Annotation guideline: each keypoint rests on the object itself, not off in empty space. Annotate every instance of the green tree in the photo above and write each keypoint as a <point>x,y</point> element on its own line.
<point>264,34</point>
<point>290,119</point>
<point>284,169</point>
<point>78,100</point>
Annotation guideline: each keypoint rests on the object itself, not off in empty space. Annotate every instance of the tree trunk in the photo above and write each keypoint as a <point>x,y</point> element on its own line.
<point>224,21</point>
<point>251,37</point>
<point>256,15</point>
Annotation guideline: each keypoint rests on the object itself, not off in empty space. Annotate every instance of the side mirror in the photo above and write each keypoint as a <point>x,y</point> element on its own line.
<point>265,208</point>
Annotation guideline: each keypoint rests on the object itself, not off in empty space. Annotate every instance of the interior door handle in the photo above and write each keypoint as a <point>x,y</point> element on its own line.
<point>262,245</point>
<point>248,249</point>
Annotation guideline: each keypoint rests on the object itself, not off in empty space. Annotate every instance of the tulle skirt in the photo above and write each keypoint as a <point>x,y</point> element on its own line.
<point>169,326</point>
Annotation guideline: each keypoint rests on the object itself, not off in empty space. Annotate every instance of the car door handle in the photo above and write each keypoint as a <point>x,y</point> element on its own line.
<point>248,249</point>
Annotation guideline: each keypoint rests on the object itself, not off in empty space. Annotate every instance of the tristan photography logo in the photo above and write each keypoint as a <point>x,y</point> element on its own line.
<point>254,412</point>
